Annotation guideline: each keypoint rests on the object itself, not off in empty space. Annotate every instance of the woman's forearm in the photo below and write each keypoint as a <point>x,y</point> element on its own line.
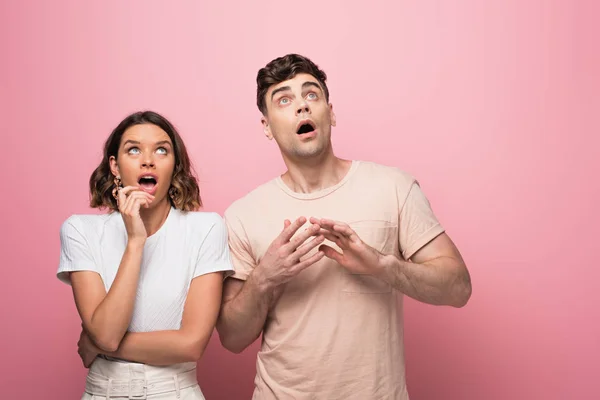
<point>110,320</point>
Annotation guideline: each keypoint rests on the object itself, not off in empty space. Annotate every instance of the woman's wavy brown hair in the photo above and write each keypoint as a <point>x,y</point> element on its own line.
<point>184,185</point>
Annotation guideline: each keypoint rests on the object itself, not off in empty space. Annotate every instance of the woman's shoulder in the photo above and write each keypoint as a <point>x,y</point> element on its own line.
<point>85,222</point>
<point>201,221</point>
<point>209,217</point>
<point>89,218</point>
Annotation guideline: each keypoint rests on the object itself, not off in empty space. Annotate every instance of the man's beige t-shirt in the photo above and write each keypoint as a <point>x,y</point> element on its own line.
<point>333,334</point>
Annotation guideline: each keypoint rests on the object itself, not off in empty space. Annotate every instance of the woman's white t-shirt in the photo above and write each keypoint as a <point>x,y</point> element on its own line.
<point>187,245</point>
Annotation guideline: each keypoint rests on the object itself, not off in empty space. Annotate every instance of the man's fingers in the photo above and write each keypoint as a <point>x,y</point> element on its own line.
<point>327,223</point>
<point>337,227</point>
<point>340,229</point>
<point>346,231</point>
<point>303,236</point>
<point>286,223</point>
<point>308,262</point>
<point>329,252</point>
<point>289,231</point>
<point>314,220</point>
<point>307,247</point>
<point>331,232</point>
<point>332,237</point>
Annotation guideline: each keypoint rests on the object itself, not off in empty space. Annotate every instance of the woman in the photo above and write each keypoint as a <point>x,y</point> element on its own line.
<point>146,277</point>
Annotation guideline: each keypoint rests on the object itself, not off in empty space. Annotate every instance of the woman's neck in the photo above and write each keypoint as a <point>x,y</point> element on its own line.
<point>156,216</point>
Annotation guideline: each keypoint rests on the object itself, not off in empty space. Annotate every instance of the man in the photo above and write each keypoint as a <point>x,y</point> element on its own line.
<point>322,252</point>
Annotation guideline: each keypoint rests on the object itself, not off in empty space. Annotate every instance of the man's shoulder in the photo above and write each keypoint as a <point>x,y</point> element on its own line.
<point>373,170</point>
<point>253,200</point>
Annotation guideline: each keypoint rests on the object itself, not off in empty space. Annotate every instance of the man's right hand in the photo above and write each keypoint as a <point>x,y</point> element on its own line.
<point>281,261</point>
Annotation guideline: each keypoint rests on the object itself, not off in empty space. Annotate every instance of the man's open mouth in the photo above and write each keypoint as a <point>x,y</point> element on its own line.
<point>305,128</point>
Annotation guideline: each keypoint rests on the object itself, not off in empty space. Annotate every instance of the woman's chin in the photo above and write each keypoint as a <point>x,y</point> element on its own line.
<point>158,202</point>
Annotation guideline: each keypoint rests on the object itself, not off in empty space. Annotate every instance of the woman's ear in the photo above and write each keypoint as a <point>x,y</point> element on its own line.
<point>114,167</point>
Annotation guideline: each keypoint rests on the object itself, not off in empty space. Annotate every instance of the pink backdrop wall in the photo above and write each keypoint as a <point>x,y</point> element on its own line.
<point>490,104</point>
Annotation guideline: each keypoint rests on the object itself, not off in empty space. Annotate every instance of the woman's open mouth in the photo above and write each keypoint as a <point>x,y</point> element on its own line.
<point>148,183</point>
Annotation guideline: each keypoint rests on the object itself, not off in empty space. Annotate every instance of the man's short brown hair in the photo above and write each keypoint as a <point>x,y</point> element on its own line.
<point>284,68</point>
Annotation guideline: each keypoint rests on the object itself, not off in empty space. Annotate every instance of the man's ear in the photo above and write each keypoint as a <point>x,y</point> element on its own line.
<point>332,115</point>
<point>266,127</point>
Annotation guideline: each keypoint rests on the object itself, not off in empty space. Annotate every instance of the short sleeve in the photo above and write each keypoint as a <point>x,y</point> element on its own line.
<point>418,224</point>
<point>239,245</point>
<point>75,253</point>
<point>213,255</point>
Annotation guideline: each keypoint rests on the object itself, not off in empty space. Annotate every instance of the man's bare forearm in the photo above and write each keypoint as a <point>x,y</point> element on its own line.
<point>441,281</point>
<point>243,317</point>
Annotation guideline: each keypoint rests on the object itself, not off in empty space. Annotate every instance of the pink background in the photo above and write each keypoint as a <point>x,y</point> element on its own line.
<point>490,104</point>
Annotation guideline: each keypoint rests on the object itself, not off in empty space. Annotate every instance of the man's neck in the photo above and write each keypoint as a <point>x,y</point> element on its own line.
<point>308,177</point>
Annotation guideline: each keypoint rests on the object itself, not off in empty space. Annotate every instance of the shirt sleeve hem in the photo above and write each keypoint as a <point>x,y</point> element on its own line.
<point>425,238</point>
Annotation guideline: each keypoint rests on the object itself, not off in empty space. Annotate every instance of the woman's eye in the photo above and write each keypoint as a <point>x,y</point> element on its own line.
<point>161,150</point>
<point>133,150</point>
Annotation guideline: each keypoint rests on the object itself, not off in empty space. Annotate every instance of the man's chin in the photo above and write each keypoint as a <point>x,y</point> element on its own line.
<point>309,152</point>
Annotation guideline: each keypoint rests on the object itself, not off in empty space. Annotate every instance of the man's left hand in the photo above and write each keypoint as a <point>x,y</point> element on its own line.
<point>356,256</point>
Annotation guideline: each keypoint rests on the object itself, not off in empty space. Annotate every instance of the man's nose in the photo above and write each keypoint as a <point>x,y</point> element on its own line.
<point>303,108</point>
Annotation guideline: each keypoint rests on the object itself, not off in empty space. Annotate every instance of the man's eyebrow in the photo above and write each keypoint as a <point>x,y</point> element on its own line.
<point>281,89</point>
<point>311,84</point>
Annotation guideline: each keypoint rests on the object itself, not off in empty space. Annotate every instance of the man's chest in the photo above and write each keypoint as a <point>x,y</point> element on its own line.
<point>374,219</point>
